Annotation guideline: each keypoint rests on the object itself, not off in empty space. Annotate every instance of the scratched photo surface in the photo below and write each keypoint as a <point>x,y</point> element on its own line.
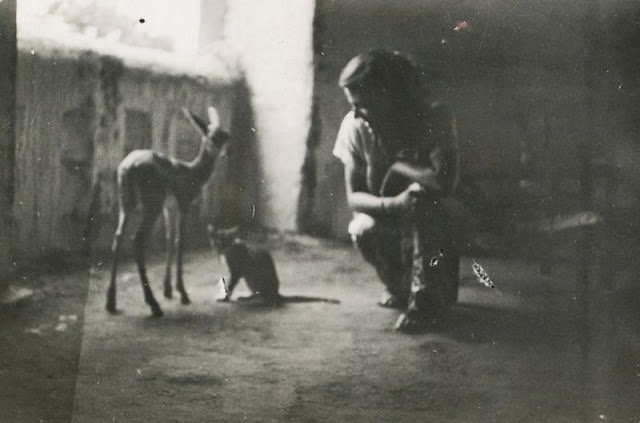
<point>178,184</point>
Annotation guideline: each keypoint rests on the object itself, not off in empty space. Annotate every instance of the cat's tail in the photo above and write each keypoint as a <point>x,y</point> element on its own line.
<point>305,299</point>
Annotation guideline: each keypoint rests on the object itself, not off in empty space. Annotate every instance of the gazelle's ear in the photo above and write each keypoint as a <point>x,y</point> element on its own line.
<point>214,118</point>
<point>195,121</point>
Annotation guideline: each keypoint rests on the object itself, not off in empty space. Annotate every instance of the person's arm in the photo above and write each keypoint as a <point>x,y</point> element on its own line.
<point>439,172</point>
<point>362,201</point>
<point>427,176</point>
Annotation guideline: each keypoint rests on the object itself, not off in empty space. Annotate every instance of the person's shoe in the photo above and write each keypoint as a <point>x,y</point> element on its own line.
<point>415,321</point>
<point>392,301</point>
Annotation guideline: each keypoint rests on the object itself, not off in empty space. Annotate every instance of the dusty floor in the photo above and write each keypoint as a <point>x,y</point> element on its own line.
<point>523,352</point>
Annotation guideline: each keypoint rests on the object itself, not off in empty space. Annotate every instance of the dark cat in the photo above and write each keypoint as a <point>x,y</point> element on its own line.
<point>256,266</point>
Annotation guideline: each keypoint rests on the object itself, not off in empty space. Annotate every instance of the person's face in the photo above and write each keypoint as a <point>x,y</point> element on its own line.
<point>372,107</point>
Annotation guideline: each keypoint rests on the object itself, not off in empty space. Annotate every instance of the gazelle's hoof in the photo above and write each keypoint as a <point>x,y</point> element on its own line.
<point>156,312</point>
<point>185,300</point>
<point>168,293</point>
<point>111,307</point>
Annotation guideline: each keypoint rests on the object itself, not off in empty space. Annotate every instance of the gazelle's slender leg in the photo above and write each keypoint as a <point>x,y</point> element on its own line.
<point>115,251</point>
<point>180,247</point>
<point>169,227</point>
<point>146,178</point>
<point>140,245</point>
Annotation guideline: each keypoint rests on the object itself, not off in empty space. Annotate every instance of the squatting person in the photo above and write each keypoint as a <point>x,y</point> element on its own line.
<point>400,161</point>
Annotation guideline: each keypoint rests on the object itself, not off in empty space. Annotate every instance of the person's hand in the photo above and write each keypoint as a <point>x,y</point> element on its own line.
<point>407,199</point>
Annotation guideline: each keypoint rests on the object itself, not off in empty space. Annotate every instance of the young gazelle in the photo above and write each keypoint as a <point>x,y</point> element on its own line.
<point>147,178</point>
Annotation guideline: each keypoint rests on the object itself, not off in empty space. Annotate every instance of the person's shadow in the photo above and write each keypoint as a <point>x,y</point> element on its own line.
<point>476,323</point>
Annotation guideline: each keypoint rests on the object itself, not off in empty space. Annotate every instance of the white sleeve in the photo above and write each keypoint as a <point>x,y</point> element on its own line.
<point>347,146</point>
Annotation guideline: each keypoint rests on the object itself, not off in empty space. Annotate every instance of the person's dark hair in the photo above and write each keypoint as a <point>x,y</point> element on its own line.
<point>390,72</point>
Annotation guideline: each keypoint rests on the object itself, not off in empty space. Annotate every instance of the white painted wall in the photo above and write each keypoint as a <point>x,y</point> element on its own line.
<point>273,39</point>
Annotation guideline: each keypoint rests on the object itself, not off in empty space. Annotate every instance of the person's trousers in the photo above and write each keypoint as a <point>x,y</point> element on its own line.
<point>414,256</point>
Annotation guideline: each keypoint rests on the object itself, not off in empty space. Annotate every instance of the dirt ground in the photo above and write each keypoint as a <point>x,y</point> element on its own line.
<point>521,352</point>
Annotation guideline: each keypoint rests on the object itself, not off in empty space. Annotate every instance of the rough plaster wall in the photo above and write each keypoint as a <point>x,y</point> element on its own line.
<point>514,65</point>
<point>274,41</point>
<point>46,90</point>
<point>71,136</point>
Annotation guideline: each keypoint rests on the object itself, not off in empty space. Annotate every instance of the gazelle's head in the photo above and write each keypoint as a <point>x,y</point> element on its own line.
<point>212,133</point>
